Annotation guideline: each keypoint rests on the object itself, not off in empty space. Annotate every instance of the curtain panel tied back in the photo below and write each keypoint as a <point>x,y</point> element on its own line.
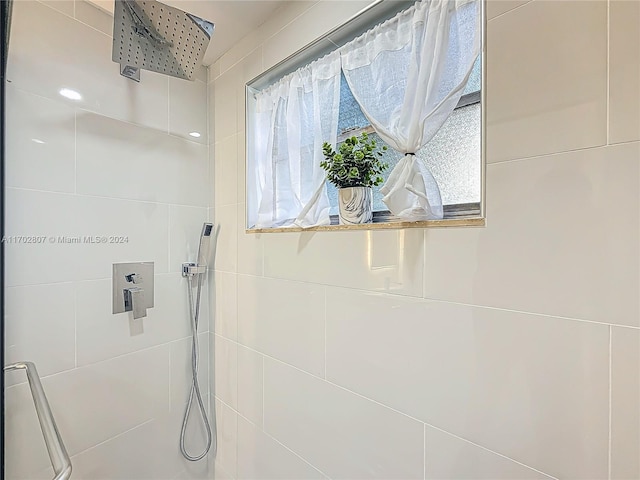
<point>406,74</point>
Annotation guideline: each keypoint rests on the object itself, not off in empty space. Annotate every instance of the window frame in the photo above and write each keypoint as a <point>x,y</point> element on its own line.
<point>472,215</point>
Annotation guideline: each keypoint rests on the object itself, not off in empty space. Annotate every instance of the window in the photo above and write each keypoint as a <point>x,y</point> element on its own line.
<point>453,154</point>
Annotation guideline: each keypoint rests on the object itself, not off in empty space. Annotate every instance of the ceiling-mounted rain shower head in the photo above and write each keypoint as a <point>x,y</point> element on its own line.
<point>150,35</point>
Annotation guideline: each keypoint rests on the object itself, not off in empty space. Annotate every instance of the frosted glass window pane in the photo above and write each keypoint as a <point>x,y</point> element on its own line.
<point>473,85</point>
<point>351,117</point>
<point>453,155</point>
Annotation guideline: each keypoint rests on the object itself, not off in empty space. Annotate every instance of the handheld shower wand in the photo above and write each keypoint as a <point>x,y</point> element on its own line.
<point>191,270</point>
<point>205,243</point>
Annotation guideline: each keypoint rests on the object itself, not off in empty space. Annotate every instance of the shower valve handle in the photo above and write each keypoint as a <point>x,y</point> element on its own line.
<point>134,302</point>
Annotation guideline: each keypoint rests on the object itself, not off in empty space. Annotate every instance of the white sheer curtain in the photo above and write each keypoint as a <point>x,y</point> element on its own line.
<point>294,117</point>
<point>408,75</point>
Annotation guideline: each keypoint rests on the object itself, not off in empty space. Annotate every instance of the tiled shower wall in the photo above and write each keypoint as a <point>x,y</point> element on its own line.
<point>504,352</point>
<point>118,162</point>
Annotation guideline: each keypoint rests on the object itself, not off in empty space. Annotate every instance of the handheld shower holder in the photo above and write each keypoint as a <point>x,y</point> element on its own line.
<point>190,269</point>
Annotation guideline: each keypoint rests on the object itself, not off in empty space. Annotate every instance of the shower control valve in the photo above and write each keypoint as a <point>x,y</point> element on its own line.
<point>133,288</point>
<point>190,269</point>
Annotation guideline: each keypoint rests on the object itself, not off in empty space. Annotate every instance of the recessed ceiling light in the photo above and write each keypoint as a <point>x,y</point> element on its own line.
<point>195,134</point>
<point>70,94</point>
<point>37,140</point>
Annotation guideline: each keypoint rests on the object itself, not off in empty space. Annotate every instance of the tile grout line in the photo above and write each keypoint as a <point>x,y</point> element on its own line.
<point>610,400</point>
<point>425,424</point>
<point>104,197</point>
<point>325,332</point>
<point>102,115</point>
<point>263,358</point>
<point>168,238</point>
<point>608,120</point>
<point>102,279</point>
<point>75,324</point>
<point>491,451</point>
<point>170,382</point>
<point>266,356</point>
<point>75,150</point>
<point>424,264</point>
<point>508,11</point>
<point>563,152</point>
<point>424,451</point>
<point>168,105</point>
<point>264,40</point>
<point>116,357</point>
<point>415,299</point>
<point>99,444</point>
<point>274,439</point>
<point>368,292</point>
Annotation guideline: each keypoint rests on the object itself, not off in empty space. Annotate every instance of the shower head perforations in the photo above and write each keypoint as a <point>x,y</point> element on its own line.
<point>150,35</point>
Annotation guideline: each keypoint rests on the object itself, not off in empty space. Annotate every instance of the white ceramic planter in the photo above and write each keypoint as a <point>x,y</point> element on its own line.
<point>356,205</point>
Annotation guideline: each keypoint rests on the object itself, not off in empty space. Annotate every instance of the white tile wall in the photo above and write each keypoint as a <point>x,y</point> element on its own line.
<point>227,428</point>
<point>40,327</point>
<point>26,453</point>
<point>342,434</point>
<point>547,92</point>
<point>625,398</point>
<point>145,452</point>
<point>102,335</point>
<point>188,109</point>
<point>120,160</point>
<point>64,6</point>
<point>498,7</point>
<point>624,71</point>
<point>181,376</point>
<point>51,215</point>
<point>40,142</point>
<point>225,368</point>
<point>483,374</point>
<point>557,212</point>
<point>226,167</point>
<point>225,98</point>
<point>250,385</point>
<point>250,247</point>
<point>117,387</point>
<point>451,458</point>
<point>226,257</point>
<point>310,25</point>
<point>225,305</point>
<point>304,258</point>
<point>269,317</point>
<point>261,457</point>
<point>78,57</point>
<point>507,371</point>
<point>86,12</point>
<point>91,405</point>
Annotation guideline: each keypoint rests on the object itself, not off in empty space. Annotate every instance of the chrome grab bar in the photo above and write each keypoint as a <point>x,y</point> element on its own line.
<point>55,446</point>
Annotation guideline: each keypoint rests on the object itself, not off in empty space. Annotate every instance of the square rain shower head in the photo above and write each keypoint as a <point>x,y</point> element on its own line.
<point>152,36</point>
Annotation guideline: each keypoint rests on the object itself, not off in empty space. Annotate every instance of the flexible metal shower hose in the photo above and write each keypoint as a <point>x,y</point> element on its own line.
<point>194,394</point>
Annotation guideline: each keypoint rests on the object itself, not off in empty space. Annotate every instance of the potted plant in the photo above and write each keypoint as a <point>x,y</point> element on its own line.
<point>354,169</point>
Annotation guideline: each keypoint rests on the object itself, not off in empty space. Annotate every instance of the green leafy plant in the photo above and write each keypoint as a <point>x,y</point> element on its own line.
<point>356,164</point>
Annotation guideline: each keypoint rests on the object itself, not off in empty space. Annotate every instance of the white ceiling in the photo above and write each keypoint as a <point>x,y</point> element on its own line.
<point>233,19</point>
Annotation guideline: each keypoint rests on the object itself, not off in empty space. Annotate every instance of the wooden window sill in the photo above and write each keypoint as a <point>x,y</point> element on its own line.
<point>447,222</point>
